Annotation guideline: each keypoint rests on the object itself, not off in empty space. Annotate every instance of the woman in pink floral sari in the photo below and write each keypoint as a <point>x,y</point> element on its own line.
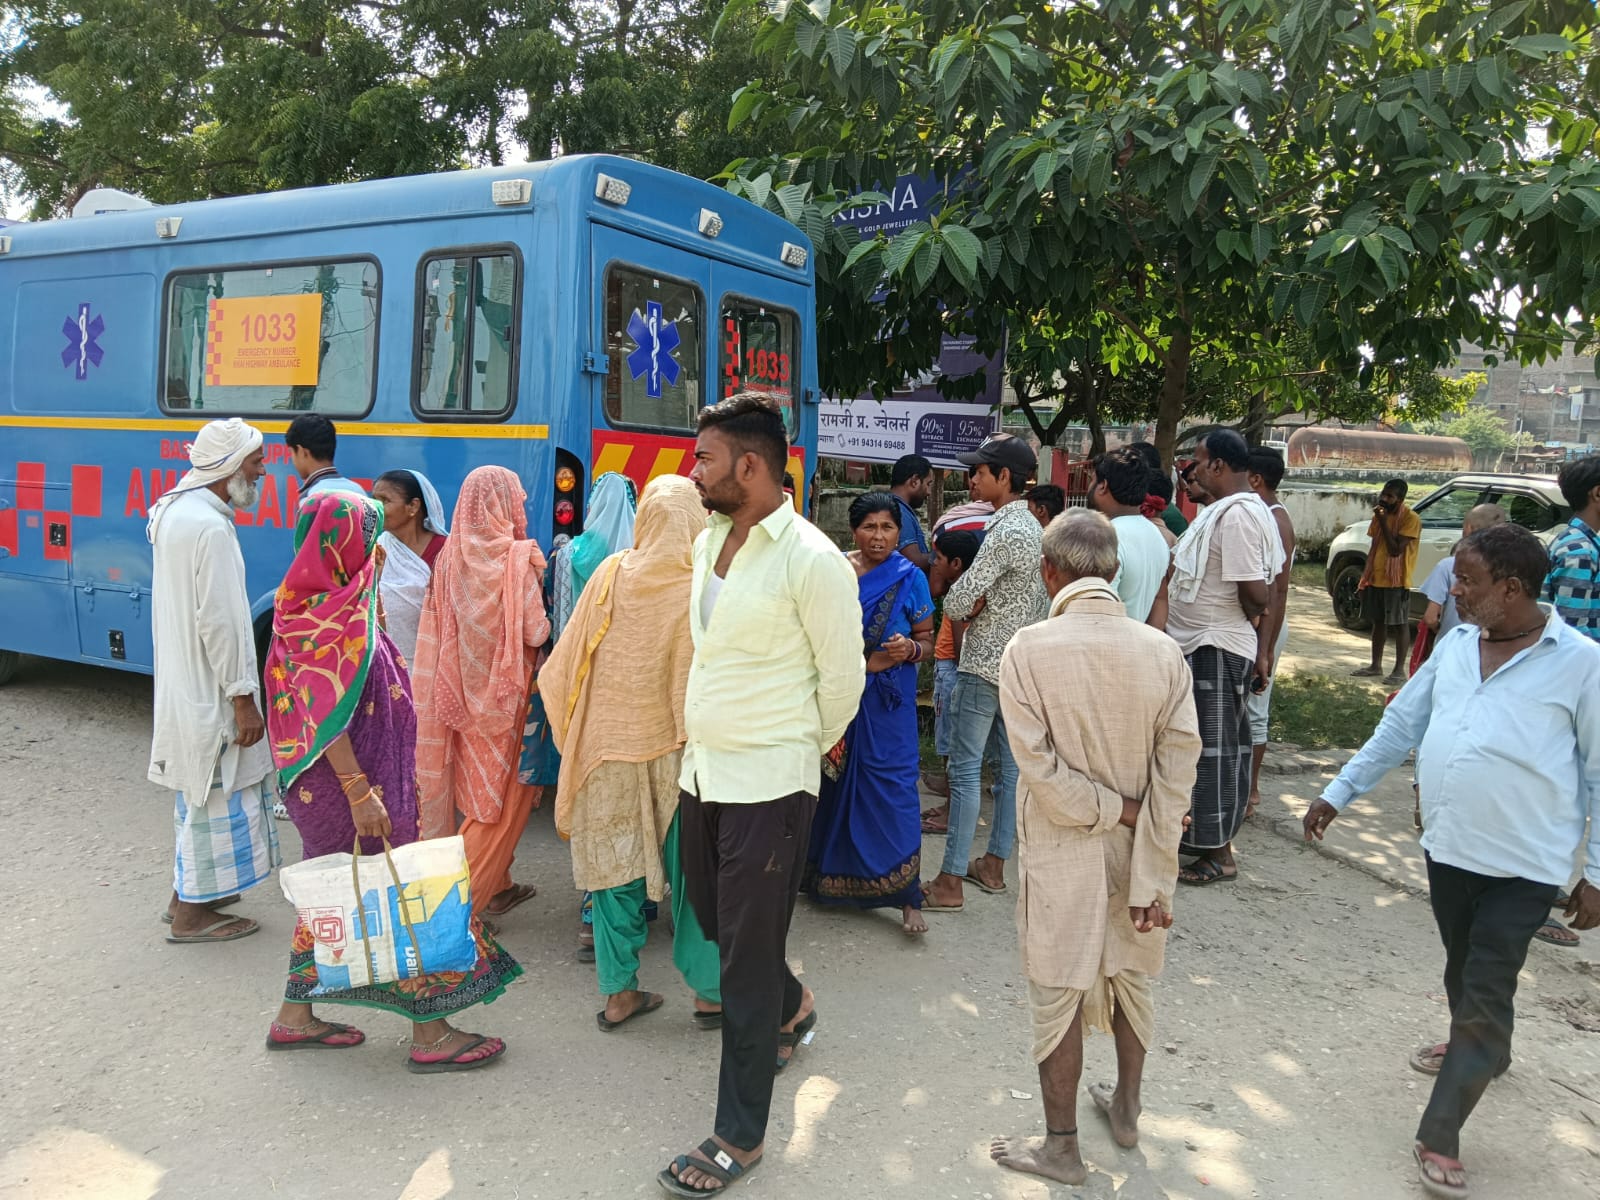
<point>343,735</point>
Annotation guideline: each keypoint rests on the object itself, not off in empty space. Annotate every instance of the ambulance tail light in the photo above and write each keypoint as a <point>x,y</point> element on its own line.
<point>566,510</point>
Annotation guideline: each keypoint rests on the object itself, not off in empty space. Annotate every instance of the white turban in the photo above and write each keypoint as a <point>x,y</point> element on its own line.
<point>217,453</point>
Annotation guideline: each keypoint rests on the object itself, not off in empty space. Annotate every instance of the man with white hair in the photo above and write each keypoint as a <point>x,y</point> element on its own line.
<point>207,745</point>
<point>1102,795</point>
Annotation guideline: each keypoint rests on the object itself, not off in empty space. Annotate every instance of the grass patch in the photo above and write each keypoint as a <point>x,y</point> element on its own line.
<point>1312,575</point>
<point>1319,712</point>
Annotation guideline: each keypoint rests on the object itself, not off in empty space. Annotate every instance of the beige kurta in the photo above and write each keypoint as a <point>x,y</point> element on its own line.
<point>1097,707</point>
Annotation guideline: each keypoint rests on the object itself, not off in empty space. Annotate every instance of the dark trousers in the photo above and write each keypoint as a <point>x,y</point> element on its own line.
<point>1486,924</point>
<point>741,869</point>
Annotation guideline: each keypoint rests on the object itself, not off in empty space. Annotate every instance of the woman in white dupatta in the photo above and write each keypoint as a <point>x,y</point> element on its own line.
<point>414,533</point>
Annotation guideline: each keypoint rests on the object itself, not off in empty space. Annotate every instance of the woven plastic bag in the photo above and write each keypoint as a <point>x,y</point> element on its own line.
<point>383,918</point>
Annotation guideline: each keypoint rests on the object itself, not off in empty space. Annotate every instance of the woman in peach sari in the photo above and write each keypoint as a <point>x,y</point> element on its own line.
<point>477,645</point>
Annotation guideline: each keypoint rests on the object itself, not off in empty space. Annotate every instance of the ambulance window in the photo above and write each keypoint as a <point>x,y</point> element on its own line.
<point>759,351</point>
<point>654,345</point>
<point>466,337</point>
<point>256,340</point>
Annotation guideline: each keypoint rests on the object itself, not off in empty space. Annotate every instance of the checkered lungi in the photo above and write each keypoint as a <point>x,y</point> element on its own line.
<point>1222,785</point>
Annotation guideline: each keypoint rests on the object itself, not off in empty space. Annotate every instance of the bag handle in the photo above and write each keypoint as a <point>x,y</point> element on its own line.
<point>399,900</point>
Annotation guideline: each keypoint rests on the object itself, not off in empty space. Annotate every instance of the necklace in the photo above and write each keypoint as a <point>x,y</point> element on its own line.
<point>1512,637</point>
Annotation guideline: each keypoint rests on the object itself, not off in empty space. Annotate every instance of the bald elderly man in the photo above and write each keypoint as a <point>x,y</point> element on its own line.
<point>208,742</point>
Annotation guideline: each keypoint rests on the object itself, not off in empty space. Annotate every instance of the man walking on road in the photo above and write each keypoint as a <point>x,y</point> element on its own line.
<point>1222,570</point>
<point>777,675</point>
<point>207,744</point>
<point>1103,790</point>
<point>1386,582</point>
<point>1505,717</point>
<point>999,593</point>
<point>911,483</point>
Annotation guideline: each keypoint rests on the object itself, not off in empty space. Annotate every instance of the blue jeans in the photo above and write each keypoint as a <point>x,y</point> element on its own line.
<point>975,723</point>
<point>944,683</point>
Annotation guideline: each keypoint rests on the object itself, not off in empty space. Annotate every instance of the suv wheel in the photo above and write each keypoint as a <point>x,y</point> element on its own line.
<point>1347,600</point>
<point>9,660</point>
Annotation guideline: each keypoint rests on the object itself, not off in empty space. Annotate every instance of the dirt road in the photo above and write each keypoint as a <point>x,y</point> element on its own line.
<point>135,1069</point>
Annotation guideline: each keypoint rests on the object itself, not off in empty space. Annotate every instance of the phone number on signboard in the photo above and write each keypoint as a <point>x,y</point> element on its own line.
<point>867,443</point>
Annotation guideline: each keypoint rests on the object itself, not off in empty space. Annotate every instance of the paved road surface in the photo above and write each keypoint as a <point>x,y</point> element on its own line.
<point>135,1069</point>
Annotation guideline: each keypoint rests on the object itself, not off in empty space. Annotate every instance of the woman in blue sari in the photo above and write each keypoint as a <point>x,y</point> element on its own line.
<point>866,842</point>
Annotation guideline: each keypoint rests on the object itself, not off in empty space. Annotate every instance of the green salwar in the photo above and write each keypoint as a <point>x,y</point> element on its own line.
<point>619,933</point>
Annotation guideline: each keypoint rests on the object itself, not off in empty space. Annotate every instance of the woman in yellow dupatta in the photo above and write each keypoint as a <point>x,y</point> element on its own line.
<point>614,691</point>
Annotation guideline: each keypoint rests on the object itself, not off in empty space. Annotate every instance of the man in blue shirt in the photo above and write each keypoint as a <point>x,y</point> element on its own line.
<point>1573,584</point>
<point>911,483</point>
<point>1505,717</point>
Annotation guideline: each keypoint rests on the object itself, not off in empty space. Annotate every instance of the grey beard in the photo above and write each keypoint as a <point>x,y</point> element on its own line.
<point>242,494</point>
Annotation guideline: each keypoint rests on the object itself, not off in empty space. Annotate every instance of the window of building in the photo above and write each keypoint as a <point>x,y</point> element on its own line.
<point>468,313</point>
<point>254,340</point>
<point>654,340</point>
<point>759,351</point>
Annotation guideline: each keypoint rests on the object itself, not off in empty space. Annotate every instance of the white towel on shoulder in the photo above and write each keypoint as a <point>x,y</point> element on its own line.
<point>1193,551</point>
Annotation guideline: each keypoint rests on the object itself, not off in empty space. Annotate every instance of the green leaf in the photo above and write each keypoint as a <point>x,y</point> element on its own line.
<point>901,247</point>
<point>1540,45</point>
<point>857,253</point>
<point>1197,86</point>
<point>963,245</point>
<point>808,36</point>
<point>760,188</point>
<point>1487,73</point>
<point>1044,168</point>
<point>841,47</point>
<point>1200,176</point>
<point>1283,294</point>
<point>926,262</point>
<point>1002,60</point>
<point>791,197</point>
<point>744,103</point>
<point>1261,242</point>
<point>1312,299</point>
<point>1417,195</point>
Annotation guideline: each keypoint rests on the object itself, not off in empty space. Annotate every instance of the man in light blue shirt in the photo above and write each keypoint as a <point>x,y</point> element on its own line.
<point>1506,719</point>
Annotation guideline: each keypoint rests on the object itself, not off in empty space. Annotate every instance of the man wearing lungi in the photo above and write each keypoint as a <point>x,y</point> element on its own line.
<point>207,745</point>
<point>1222,569</point>
<point>1103,789</point>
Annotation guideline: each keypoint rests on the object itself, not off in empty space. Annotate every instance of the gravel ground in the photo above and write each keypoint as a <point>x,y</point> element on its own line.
<point>135,1069</point>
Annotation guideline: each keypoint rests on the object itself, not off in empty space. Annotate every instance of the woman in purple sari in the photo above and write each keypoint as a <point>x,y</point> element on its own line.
<point>344,739</point>
<point>866,841</point>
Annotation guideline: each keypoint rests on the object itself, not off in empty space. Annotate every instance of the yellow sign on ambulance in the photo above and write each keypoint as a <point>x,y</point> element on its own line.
<point>263,341</point>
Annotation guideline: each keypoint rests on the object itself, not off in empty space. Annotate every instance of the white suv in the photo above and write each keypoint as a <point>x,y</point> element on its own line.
<point>1532,501</point>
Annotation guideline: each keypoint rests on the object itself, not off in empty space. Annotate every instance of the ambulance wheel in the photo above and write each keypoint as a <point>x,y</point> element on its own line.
<point>9,660</point>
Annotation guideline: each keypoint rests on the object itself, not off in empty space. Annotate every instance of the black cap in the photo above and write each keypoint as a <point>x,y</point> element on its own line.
<point>1004,450</point>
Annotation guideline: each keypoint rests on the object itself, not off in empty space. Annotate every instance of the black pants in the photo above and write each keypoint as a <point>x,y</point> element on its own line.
<point>1486,924</point>
<point>741,869</point>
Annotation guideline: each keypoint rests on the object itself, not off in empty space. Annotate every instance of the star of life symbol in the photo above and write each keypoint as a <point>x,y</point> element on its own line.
<point>82,347</point>
<point>654,340</point>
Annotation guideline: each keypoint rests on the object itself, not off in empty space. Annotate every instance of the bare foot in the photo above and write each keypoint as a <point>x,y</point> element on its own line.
<point>1251,805</point>
<point>943,893</point>
<point>1439,1168</point>
<point>622,1005</point>
<point>1053,1157</point>
<point>911,920</point>
<point>1124,1117</point>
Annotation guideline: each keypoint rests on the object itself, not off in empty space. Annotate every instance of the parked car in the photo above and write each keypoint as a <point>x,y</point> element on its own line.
<point>1532,501</point>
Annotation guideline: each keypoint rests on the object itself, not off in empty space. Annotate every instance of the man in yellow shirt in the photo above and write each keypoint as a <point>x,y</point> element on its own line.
<point>1395,532</point>
<point>777,676</point>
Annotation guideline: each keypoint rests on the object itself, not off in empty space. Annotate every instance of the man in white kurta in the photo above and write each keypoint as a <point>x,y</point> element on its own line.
<point>208,742</point>
<point>1100,713</point>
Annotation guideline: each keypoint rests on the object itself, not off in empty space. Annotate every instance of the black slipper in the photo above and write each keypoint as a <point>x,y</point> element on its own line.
<point>652,1001</point>
<point>1206,872</point>
<point>708,1020</point>
<point>794,1038</point>
<point>718,1164</point>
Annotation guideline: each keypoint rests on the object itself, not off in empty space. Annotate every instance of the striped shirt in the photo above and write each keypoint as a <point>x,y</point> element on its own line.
<point>1573,584</point>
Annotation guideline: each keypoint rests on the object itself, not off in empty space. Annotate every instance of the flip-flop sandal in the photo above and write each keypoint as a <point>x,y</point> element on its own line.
<point>1554,933</point>
<point>454,1062</point>
<point>933,830</point>
<point>1436,1187</point>
<point>213,905</point>
<point>321,1041</point>
<point>1561,901</point>
<point>208,934</point>
<point>973,879</point>
<point>794,1038</point>
<point>521,893</point>
<point>707,1020</point>
<point>717,1163</point>
<point>652,1001</point>
<point>1367,673</point>
<point>1203,873</point>
<point>1428,1059</point>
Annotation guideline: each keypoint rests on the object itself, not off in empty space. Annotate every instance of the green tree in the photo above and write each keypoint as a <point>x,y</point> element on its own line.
<point>179,99</point>
<point>1242,192</point>
<point>1481,429</point>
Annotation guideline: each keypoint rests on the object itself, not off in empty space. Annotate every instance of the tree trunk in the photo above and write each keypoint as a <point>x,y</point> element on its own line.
<point>1097,432</point>
<point>1174,391</point>
<point>1255,421</point>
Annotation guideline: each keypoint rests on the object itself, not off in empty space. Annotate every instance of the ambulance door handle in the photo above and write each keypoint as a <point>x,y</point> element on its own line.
<point>136,594</point>
<point>87,588</point>
<point>596,363</point>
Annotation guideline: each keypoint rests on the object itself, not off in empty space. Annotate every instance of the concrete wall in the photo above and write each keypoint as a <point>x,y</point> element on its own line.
<point>1321,514</point>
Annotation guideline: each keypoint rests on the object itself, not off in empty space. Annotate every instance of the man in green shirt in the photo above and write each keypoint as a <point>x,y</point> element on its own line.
<point>777,676</point>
